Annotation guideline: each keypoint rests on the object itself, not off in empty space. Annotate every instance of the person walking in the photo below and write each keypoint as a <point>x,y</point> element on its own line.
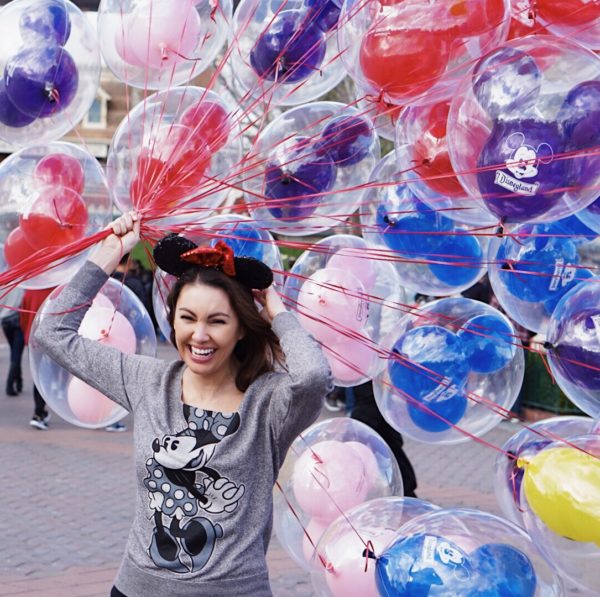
<point>11,326</point>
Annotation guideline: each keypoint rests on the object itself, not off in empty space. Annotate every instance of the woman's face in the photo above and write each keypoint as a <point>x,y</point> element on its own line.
<point>206,329</point>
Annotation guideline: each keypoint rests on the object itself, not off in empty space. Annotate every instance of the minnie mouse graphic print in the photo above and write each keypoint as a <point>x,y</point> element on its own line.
<point>181,485</point>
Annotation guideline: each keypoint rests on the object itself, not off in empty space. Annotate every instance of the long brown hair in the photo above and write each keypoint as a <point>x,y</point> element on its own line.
<point>259,349</point>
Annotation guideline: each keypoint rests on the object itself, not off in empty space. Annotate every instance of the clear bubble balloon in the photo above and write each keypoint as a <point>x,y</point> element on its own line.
<point>116,318</point>
<point>306,166</point>
<point>573,342</point>
<point>432,254</point>
<point>560,492</point>
<point>52,195</point>
<point>245,238</point>
<point>285,53</point>
<point>155,44</point>
<point>454,364</point>
<point>387,46</point>
<point>175,154</point>
<point>525,444</point>
<point>50,67</point>
<point>338,566</point>
<point>332,467</point>
<point>521,137</point>
<point>464,552</point>
<point>348,299</point>
<point>383,114</point>
<point>531,269</point>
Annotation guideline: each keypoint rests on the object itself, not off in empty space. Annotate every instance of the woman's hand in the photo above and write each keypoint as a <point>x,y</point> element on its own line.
<point>270,301</point>
<point>125,235</point>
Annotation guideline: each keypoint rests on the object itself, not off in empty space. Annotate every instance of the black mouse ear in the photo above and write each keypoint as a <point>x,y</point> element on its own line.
<point>168,251</point>
<point>253,273</point>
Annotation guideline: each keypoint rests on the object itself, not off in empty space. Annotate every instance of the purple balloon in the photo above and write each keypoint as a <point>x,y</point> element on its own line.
<point>46,22</point>
<point>347,140</point>
<point>580,115</point>
<point>324,13</point>
<point>41,81</point>
<point>521,177</point>
<point>291,49</point>
<point>9,115</point>
<point>296,177</point>
<point>578,351</point>
<point>506,82</point>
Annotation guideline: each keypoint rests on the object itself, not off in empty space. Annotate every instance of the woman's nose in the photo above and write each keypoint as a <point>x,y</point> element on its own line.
<point>200,333</point>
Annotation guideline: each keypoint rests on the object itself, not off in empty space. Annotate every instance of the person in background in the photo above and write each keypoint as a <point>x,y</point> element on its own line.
<point>11,326</point>
<point>32,301</point>
<point>359,401</point>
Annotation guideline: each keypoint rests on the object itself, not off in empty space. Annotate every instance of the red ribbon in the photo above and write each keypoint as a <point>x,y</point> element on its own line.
<point>221,256</point>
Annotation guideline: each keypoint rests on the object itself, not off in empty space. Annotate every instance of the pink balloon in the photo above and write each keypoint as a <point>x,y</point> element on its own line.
<point>162,34</point>
<point>61,169</point>
<point>369,460</point>
<point>315,528</point>
<point>109,327</point>
<point>101,300</point>
<point>357,262</point>
<point>350,359</point>
<point>122,47</point>
<point>166,142</point>
<point>331,301</point>
<point>329,479</point>
<point>347,577</point>
<point>87,404</point>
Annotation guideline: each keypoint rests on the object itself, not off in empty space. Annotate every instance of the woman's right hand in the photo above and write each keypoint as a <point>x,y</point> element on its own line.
<point>125,235</point>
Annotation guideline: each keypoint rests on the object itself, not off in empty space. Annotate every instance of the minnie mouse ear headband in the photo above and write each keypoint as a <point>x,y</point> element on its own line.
<point>175,254</point>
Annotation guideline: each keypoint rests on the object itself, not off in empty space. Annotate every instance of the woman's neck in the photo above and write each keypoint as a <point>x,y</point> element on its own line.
<point>215,392</point>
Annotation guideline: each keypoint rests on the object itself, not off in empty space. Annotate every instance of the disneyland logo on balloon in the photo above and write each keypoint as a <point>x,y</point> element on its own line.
<point>516,186</point>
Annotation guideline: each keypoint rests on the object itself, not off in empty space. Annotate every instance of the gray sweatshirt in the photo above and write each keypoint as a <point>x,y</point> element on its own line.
<point>203,511</point>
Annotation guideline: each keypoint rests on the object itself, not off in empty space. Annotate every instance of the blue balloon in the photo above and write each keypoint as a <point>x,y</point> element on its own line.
<point>347,140</point>
<point>291,49</point>
<point>571,227</point>
<point>41,81</point>
<point>324,13</point>
<point>412,234</point>
<point>488,342</point>
<point>432,370</point>
<point>422,565</point>
<point>501,570</point>
<point>46,22</point>
<point>539,272</point>
<point>519,176</point>
<point>506,83</point>
<point>243,238</point>
<point>571,277</point>
<point>460,256</point>
<point>9,115</point>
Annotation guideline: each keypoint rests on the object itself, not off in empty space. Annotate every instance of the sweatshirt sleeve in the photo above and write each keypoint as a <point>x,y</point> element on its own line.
<point>103,367</point>
<point>299,392</point>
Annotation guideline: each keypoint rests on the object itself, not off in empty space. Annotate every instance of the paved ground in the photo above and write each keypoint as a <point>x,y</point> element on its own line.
<point>65,503</point>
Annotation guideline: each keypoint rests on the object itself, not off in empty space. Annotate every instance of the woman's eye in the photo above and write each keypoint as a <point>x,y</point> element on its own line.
<point>218,321</point>
<point>186,318</point>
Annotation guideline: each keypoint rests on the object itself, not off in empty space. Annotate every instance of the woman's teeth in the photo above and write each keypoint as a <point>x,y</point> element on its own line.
<point>202,352</point>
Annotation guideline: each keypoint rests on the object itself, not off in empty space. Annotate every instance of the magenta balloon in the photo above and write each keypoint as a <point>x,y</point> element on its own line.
<point>109,327</point>
<point>314,529</point>
<point>87,404</point>
<point>328,479</point>
<point>350,359</point>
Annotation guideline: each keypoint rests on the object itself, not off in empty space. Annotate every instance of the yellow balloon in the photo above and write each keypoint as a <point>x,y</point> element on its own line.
<point>562,487</point>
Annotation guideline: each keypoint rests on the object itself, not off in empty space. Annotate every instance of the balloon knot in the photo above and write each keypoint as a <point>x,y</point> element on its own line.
<point>369,553</point>
<point>548,345</point>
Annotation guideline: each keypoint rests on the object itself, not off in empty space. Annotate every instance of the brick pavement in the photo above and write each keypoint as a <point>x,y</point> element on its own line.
<point>66,501</point>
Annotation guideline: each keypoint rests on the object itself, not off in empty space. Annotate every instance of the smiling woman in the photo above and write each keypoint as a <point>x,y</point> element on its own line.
<point>212,428</point>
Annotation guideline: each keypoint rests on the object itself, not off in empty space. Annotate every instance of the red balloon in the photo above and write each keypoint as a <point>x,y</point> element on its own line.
<point>430,152</point>
<point>57,217</point>
<point>474,17</point>
<point>403,63</point>
<point>210,121</point>
<point>61,169</point>
<point>523,21</point>
<point>16,248</point>
<point>575,13</point>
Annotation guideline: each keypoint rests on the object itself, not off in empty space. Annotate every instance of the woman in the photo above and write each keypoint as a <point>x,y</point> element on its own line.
<point>212,429</point>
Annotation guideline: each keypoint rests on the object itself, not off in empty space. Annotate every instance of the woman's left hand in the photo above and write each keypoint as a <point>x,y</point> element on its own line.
<point>270,301</point>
